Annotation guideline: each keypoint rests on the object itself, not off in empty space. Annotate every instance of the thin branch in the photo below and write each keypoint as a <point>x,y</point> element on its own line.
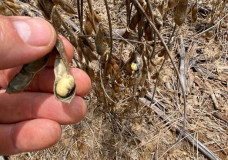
<point>110,34</point>
<point>157,80</point>
<point>182,63</point>
<point>128,10</point>
<point>216,105</point>
<point>80,16</point>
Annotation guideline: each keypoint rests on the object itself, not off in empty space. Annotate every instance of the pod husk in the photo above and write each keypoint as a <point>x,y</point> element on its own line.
<point>60,71</point>
<point>26,75</point>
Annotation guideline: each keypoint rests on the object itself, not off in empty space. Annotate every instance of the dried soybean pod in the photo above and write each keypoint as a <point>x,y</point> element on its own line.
<point>100,40</point>
<point>148,32</point>
<point>97,18</point>
<point>172,3</point>
<point>127,33</point>
<point>56,18</point>
<point>88,25</point>
<point>37,65</point>
<point>162,53</point>
<point>194,12</point>
<point>2,8</point>
<point>89,43</point>
<point>20,82</point>
<point>64,86</point>
<point>134,21</point>
<point>86,49</point>
<point>7,10</point>
<point>180,12</point>
<point>158,18</point>
<point>65,5</point>
<point>13,5</point>
<point>26,75</point>
<point>46,7</point>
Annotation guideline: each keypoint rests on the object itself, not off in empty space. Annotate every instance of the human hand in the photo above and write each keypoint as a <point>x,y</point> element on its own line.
<point>31,120</point>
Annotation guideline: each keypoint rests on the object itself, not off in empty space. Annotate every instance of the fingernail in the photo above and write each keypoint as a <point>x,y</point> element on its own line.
<point>34,31</point>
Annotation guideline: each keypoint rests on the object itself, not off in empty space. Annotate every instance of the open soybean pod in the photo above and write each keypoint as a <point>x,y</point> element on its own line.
<point>64,86</point>
<point>26,75</point>
<point>180,12</point>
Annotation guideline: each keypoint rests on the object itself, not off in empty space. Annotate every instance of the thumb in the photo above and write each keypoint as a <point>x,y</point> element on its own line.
<point>24,39</point>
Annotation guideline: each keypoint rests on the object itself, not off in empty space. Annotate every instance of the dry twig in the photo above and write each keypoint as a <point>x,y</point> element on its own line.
<point>196,143</point>
<point>182,64</point>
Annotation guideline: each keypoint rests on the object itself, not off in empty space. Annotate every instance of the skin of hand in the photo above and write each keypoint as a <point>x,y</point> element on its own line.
<point>31,120</point>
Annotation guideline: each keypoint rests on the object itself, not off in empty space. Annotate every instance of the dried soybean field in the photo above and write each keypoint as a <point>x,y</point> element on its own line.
<point>159,71</point>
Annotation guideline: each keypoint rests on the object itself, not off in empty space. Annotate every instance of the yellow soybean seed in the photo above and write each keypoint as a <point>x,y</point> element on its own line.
<point>134,66</point>
<point>65,85</point>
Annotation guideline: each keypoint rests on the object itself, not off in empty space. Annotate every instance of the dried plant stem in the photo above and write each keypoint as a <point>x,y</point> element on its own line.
<point>157,80</point>
<point>110,34</point>
<point>216,105</point>
<point>80,13</point>
<point>128,10</point>
<point>92,14</point>
<point>103,88</point>
<point>195,142</point>
<point>152,17</point>
<point>169,54</point>
<point>182,64</point>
